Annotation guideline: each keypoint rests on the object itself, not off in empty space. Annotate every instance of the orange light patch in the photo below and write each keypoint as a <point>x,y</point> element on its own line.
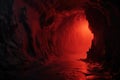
<point>76,40</point>
<point>83,37</point>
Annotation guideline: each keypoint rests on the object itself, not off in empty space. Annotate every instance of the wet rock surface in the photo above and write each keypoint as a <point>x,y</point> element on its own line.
<point>27,40</point>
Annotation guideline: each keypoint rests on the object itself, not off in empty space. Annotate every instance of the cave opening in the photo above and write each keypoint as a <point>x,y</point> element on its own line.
<point>76,38</point>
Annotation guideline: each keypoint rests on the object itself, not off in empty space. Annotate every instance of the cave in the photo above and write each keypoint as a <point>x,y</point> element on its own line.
<point>59,40</point>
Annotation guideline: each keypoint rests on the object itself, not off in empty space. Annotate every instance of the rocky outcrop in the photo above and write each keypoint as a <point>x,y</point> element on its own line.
<point>28,34</point>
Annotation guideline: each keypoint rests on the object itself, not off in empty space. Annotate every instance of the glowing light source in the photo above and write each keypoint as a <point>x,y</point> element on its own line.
<point>85,36</point>
<point>76,39</point>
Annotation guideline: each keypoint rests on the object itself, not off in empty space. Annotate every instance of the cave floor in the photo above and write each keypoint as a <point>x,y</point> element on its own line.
<point>66,70</point>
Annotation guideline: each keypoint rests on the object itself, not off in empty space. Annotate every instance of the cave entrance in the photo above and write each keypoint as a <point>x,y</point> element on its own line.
<point>76,38</point>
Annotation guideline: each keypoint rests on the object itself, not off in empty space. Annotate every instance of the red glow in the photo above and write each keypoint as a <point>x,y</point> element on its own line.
<point>73,43</point>
<point>76,39</point>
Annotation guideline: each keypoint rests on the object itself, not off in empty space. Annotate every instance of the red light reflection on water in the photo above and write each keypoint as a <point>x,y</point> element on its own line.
<point>75,42</point>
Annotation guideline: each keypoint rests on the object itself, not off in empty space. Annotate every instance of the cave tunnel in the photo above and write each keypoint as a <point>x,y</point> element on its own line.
<point>59,40</point>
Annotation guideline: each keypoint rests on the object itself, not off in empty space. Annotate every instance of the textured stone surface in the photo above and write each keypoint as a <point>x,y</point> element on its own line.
<point>28,33</point>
